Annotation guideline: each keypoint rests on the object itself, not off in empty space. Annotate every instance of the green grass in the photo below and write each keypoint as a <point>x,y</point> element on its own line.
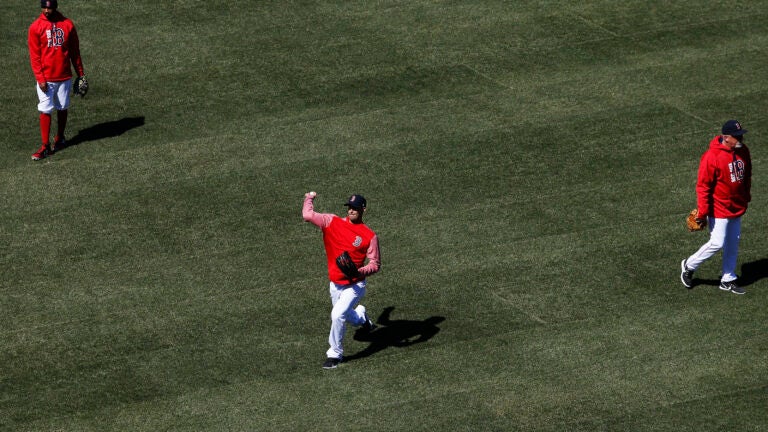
<point>528,166</point>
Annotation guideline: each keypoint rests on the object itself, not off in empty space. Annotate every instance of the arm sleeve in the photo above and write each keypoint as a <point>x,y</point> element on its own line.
<point>374,258</point>
<point>35,55</point>
<point>74,52</point>
<point>705,186</point>
<point>321,220</point>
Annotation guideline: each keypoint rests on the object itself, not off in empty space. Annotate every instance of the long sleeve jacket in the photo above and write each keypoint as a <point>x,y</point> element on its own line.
<point>724,180</point>
<point>53,45</point>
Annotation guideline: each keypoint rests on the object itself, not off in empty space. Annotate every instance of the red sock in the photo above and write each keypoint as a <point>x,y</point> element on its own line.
<point>61,119</point>
<point>45,127</point>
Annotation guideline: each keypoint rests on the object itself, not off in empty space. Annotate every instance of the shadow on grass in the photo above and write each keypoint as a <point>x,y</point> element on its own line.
<point>750,273</point>
<point>395,333</point>
<point>109,129</point>
<point>753,271</point>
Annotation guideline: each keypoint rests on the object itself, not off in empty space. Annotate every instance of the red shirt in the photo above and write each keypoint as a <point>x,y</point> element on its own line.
<point>724,180</point>
<point>53,45</point>
<point>339,235</point>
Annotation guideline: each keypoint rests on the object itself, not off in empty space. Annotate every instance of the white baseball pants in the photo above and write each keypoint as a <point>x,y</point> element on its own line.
<point>723,234</point>
<point>344,298</point>
<point>57,96</point>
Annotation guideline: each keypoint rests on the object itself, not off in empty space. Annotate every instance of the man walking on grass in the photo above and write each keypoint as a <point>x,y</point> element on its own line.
<point>723,194</point>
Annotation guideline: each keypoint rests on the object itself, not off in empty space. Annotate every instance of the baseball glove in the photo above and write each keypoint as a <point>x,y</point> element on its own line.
<point>347,266</point>
<point>80,86</point>
<point>693,222</point>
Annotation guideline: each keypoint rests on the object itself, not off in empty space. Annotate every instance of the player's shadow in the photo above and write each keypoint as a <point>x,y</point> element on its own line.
<point>395,333</point>
<point>108,129</point>
<point>751,272</point>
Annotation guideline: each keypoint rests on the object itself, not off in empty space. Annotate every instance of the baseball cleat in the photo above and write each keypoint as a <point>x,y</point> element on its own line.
<point>41,154</point>
<point>331,363</point>
<point>732,287</point>
<point>686,275</point>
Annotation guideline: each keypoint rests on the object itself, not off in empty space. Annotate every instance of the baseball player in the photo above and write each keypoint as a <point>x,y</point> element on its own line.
<point>53,46</point>
<point>348,234</point>
<point>723,193</point>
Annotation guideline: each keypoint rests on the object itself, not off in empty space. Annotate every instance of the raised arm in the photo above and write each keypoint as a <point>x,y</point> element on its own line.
<point>321,220</point>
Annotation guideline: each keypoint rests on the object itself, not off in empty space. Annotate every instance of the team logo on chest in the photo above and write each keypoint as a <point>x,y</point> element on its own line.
<point>55,37</point>
<point>737,170</point>
<point>358,241</point>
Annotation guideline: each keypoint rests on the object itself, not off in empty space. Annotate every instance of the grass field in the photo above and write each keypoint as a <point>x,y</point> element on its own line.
<point>528,166</point>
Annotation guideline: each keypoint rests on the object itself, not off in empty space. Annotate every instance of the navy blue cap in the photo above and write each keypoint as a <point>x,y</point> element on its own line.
<point>356,202</point>
<point>733,128</point>
<point>51,4</point>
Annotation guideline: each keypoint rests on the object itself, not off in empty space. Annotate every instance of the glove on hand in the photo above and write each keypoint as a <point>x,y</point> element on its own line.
<point>347,266</point>
<point>80,86</point>
<point>693,222</point>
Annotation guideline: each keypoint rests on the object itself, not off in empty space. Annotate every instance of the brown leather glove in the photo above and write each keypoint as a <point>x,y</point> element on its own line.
<point>693,222</point>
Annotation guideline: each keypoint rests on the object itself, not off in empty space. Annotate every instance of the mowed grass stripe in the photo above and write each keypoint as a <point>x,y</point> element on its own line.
<point>196,245</point>
<point>572,367</point>
<point>570,373</point>
<point>211,157</point>
<point>204,284</point>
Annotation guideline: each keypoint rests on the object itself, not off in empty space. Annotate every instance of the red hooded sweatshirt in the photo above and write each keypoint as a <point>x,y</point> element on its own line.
<point>724,180</point>
<point>53,45</point>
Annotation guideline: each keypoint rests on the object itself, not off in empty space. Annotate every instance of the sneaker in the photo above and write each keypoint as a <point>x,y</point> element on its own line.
<point>732,287</point>
<point>368,325</point>
<point>58,144</point>
<point>331,363</point>
<point>686,275</point>
<point>41,154</point>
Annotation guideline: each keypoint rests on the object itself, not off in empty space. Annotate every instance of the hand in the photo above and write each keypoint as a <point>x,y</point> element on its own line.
<point>312,194</point>
<point>43,86</point>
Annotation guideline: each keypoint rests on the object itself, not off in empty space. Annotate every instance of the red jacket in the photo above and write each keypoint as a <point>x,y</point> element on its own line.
<point>724,180</point>
<point>53,45</point>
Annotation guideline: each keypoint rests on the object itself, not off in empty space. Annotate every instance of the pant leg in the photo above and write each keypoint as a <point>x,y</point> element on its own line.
<point>344,299</point>
<point>45,99</point>
<point>717,230</point>
<point>731,249</point>
<point>62,92</point>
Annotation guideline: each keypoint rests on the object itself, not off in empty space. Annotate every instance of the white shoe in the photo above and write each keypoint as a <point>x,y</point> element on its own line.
<point>360,309</point>
<point>368,324</point>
